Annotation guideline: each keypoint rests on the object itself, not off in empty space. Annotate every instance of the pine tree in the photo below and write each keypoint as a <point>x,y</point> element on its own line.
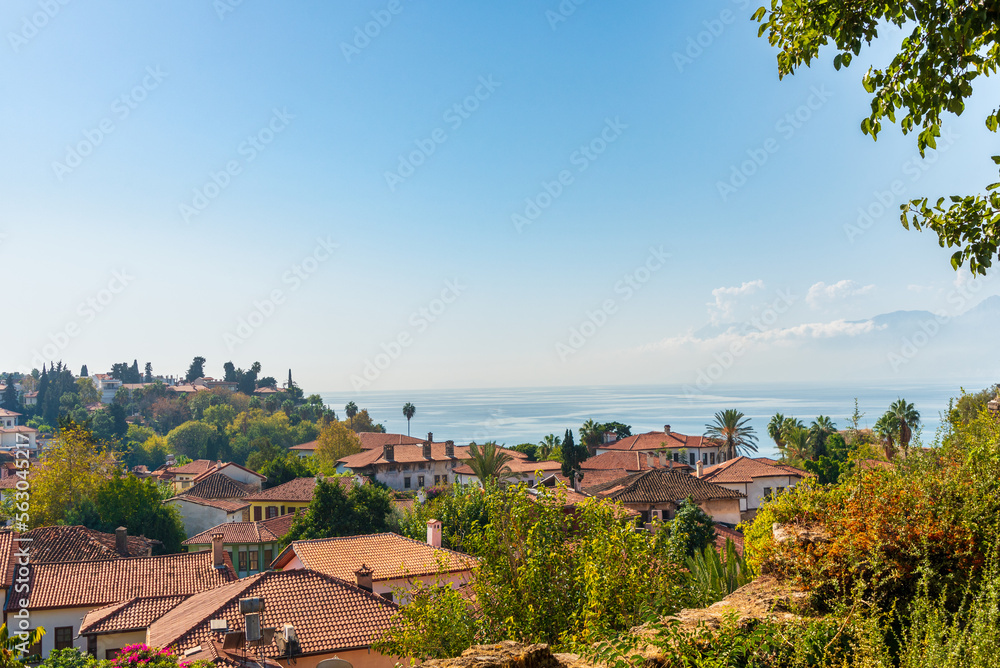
<point>569,454</point>
<point>10,394</point>
<point>83,371</point>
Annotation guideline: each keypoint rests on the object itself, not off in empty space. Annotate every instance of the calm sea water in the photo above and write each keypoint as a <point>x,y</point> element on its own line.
<point>520,415</point>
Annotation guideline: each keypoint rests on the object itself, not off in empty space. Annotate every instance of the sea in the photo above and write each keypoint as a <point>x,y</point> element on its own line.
<point>511,416</point>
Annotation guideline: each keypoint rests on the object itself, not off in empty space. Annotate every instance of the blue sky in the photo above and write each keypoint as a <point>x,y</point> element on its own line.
<point>427,279</point>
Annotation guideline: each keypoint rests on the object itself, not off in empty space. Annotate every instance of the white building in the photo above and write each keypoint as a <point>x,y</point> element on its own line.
<point>758,478</point>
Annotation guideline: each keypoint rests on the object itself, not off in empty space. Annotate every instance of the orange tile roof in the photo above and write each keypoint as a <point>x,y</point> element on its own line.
<point>389,555</point>
<point>218,485</point>
<point>375,439</point>
<point>661,485</point>
<point>658,440</point>
<point>403,454</point>
<point>224,465</point>
<point>6,413</point>
<point>629,460</point>
<point>745,469</point>
<point>328,614</point>
<point>78,543</point>
<point>311,445</point>
<point>71,584</point>
<point>262,531</point>
<point>135,614</point>
<point>597,477</point>
<point>299,490</point>
<point>196,467</point>
<point>7,561</point>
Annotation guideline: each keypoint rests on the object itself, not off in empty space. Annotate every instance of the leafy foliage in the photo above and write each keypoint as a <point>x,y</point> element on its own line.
<point>334,512</point>
<point>461,510</point>
<point>949,46</point>
<point>714,576</point>
<point>437,622</point>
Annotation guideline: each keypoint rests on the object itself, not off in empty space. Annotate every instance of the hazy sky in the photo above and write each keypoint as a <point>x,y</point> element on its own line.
<point>404,194</point>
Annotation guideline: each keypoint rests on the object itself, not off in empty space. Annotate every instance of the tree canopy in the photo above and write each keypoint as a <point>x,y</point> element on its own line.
<point>949,46</point>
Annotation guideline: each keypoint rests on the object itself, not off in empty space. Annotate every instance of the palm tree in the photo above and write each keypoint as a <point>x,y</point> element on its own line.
<point>796,448</point>
<point>775,428</point>
<point>489,462</point>
<point>906,417</point>
<point>351,409</point>
<point>590,435</point>
<point>408,411</point>
<point>733,429</point>
<point>887,431</point>
<point>819,431</point>
<point>10,642</point>
<point>547,446</point>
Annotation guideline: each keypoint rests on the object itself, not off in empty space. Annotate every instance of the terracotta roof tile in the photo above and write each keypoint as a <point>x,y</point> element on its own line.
<point>132,615</point>
<point>630,460</point>
<point>7,561</point>
<point>745,469</point>
<point>403,454</point>
<point>218,485</point>
<point>658,440</point>
<point>659,485</point>
<point>98,583</point>
<point>328,614</point>
<point>77,543</point>
<point>389,555</point>
<point>299,490</point>
<point>228,505</point>
<point>263,531</point>
<point>196,467</point>
<point>374,439</point>
<point>519,466</point>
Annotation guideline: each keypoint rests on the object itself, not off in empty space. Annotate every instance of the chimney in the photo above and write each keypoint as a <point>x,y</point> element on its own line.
<point>430,436</point>
<point>663,458</point>
<point>121,541</point>
<point>666,429</point>
<point>427,449</point>
<point>389,451</point>
<point>449,449</point>
<point>364,577</point>
<point>700,469</point>
<point>217,559</point>
<point>434,533</point>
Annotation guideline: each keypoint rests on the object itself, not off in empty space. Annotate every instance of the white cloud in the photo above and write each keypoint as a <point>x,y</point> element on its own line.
<point>751,336</point>
<point>723,309</point>
<point>821,294</point>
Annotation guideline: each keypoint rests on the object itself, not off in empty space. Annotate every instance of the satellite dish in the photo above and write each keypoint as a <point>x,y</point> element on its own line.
<point>334,663</point>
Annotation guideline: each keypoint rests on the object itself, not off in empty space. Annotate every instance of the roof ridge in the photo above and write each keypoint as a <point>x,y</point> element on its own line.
<point>247,582</point>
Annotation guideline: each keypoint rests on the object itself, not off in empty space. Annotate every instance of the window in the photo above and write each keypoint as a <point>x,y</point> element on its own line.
<point>767,492</point>
<point>704,459</point>
<point>92,646</point>
<point>254,555</point>
<point>111,654</point>
<point>712,457</point>
<point>282,510</point>
<point>256,514</point>
<point>243,560</point>
<point>780,490</point>
<point>406,482</point>
<point>406,467</point>
<point>36,649</point>
<point>271,511</point>
<point>268,557</point>
<point>387,596</point>
<point>437,480</point>
<point>691,458</point>
<point>420,481</point>
<point>64,637</point>
<point>444,480</point>
<point>677,456</point>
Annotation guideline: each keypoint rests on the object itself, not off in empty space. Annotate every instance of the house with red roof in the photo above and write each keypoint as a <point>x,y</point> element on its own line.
<point>408,466</point>
<point>251,545</point>
<point>680,448</point>
<point>294,495</point>
<point>57,596</point>
<point>15,436</point>
<point>521,470</point>
<point>394,562</point>
<point>757,478</point>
